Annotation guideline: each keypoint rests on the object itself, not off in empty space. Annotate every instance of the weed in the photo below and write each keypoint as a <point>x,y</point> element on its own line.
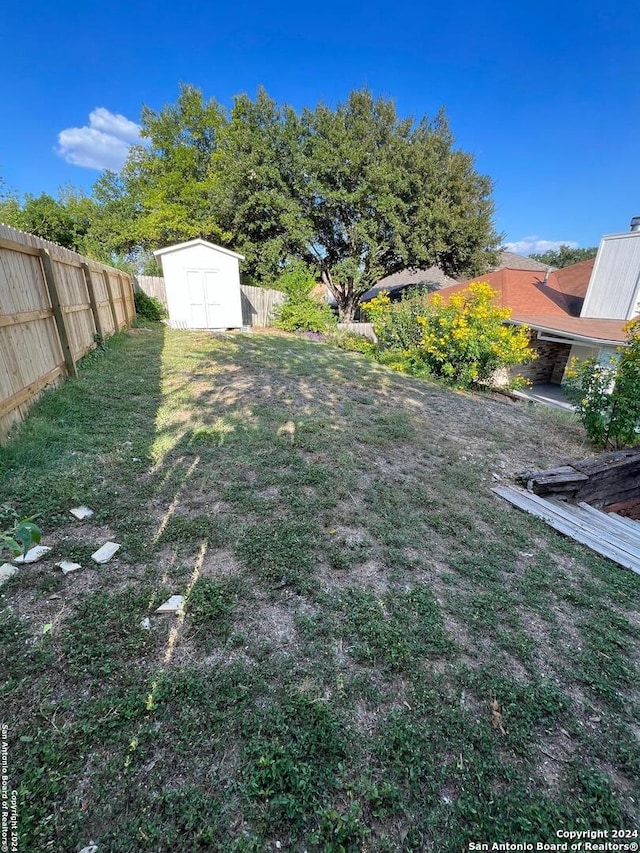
<point>184,530</point>
<point>280,553</point>
<point>601,664</point>
<point>104,632</point>
<point>344,554</point>
<point>210,609</point>
<point>293,755</point>
<point>396,631</point>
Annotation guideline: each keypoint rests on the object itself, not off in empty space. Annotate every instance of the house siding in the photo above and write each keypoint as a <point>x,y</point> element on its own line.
<point>603,355</point>
<point>614,287</point>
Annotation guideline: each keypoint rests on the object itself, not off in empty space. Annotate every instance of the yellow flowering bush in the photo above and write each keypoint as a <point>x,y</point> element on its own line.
<point>467,339</point>
<point>377,309</point>
<point>464,340</point>
<point>396,323</point>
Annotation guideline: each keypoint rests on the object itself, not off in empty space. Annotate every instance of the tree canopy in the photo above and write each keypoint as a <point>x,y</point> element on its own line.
<point>565,256</point>
<point>66,220</point>
<point>256,197</point>
<point>354,191</point>
<point>167,181</point>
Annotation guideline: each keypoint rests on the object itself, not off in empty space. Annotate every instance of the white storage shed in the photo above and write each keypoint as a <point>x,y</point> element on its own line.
<point>202,282</point>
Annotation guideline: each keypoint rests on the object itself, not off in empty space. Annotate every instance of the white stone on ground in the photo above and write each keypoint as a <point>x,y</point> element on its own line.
<point>6,572</point>
<point>105,553</point>
<point>33,555</point>
<point>81,512</point>
<point>171,605</point>
<point>67,566</point>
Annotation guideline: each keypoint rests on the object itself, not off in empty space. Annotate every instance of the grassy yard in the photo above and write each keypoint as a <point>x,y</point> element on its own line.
<point>376,654</point>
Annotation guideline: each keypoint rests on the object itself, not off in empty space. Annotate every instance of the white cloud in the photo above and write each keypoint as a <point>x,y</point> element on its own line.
<point>102,144</point>
<point>530,245</point>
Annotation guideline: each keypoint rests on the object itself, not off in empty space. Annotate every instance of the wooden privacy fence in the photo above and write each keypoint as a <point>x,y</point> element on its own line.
<point>258,303</point>
<point>364,329</point>
<point>152,285</point>
<point>54,305</point>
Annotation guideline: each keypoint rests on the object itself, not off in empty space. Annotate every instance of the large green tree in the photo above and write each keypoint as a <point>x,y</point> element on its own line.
<point>385,194</point>
<point>114,237</point>
<point>9,206</point>
<point>257,196</point>
<point>163,194</point>
<point>565,256</point>
<point>66,220</point>
<point>355,190</point>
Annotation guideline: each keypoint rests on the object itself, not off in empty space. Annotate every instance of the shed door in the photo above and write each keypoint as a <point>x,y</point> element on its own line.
<point>204,304</point>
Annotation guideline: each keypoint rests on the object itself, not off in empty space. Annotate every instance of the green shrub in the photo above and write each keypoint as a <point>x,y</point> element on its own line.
<point>304,317</point>
<point>607,398</point>
<point>149,307</point>
<point>405,361</point>
<point>396,323</point>
<point>300,312</point>
<point>351,342</point>
<point>17,535</point>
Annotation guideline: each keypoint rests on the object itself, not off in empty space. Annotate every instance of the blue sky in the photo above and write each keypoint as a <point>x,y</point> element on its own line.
<point>545,95</point>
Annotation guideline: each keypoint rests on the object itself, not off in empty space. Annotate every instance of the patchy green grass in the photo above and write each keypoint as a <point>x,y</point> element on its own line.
<point>375,653</point>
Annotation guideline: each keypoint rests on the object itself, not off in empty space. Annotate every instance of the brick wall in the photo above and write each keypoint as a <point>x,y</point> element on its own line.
<point>550,364</point>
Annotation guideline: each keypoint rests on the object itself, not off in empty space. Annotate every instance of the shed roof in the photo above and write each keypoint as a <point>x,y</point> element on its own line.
<point>198,242</point>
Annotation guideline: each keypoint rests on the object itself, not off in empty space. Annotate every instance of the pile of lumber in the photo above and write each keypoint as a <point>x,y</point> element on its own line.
<point>610,482</point>
<point>613,537</point>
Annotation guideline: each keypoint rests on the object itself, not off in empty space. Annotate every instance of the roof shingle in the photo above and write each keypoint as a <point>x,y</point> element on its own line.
<point>552,305</point>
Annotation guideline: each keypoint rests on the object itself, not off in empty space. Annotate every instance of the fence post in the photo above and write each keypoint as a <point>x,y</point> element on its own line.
<point>125,286</point>
<point>95,310</point>
<point>131,299</point>
<point>58,314</point>
<point>112,305</point>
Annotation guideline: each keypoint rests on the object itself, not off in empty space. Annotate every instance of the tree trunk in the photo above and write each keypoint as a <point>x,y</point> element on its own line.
<point>346,300</point>
<point>347,307</point>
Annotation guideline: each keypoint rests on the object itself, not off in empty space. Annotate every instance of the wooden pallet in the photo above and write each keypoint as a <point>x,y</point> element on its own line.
<point>605,533</point>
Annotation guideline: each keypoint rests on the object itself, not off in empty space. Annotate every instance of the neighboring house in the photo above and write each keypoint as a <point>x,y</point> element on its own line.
<point>434,279</point>
<point>579,311</point>
<point>513,261</point>
<point>202,284</point>
<point>430,280</point>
